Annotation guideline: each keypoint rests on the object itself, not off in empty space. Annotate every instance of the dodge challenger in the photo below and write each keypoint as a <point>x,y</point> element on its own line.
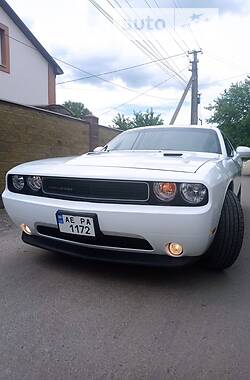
<point>157,195</point>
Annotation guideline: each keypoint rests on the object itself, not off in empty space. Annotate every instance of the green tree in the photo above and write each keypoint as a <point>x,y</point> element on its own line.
<point>140,119</point>
<point>231,112</point>
<point>144,119</point>
<point>78,109</point>
<point>122,122</point>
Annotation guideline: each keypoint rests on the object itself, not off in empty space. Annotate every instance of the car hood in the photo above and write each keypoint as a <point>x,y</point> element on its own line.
<point>134,165</point>
<point>166,161</point>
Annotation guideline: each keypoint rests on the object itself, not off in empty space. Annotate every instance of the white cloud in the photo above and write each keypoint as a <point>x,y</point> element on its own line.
<point>76,32</point>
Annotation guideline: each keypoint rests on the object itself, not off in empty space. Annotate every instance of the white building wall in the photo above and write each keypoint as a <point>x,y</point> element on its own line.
<point>27,82</point>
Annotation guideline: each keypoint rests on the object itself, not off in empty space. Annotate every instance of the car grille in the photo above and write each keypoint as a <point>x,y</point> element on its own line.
<point>101,240</point>
<point>96,190</point>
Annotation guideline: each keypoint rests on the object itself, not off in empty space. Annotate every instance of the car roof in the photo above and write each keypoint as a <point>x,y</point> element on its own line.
<point>174,126</point>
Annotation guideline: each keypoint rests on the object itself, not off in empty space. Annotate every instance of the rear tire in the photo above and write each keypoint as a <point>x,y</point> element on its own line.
<point>227,243</point>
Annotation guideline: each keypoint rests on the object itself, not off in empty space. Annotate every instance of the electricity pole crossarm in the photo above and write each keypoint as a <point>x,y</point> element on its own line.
<point>181,102</point>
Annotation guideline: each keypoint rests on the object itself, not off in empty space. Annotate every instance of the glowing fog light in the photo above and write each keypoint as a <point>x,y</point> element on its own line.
<point>24,228</point>
<point>174,249</point>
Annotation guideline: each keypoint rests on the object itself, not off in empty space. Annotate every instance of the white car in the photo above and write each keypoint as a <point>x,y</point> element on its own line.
<point>159,195</point>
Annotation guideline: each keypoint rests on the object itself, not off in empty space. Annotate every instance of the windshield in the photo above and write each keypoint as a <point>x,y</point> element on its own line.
<point>169,138</point>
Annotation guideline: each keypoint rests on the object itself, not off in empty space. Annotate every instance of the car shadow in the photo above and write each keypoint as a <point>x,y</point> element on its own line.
<point>189,275</point>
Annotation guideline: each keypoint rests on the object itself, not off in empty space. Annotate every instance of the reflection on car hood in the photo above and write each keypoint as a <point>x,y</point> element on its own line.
<point>187,162</point>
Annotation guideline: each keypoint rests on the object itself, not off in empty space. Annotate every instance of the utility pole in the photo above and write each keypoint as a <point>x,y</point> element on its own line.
<point>195,97</point>
<point>181,102</point>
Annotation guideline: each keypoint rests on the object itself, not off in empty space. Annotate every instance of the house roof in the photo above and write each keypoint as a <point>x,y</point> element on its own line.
<point>16,19</point>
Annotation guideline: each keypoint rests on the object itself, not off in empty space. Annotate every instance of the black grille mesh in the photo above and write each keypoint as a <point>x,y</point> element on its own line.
<point>106,190</point>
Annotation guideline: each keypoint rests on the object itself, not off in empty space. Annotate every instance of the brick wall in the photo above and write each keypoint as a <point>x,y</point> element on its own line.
<point>27,133</point>
<point>106,134</point>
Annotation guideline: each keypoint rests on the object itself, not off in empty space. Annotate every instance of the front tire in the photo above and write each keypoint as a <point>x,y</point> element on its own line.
<point>227,243</point>
<point>239,195</point>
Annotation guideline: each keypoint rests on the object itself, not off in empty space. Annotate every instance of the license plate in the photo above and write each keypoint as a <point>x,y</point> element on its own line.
<point>76,225</point>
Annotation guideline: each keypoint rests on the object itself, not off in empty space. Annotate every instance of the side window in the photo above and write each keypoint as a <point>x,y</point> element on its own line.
<point>229,147</point>
<point>4,49</point>
<point>232,147</point>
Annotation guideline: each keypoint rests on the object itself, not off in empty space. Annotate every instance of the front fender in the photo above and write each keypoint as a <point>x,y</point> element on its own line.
<point>219,177</point>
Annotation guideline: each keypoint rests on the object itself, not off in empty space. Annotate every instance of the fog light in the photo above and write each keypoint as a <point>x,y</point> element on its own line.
<point>25,229</point>
<point>174,249</point>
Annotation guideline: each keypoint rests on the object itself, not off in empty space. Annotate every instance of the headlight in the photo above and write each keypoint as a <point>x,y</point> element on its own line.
<point>18,182</point>
<point>35,182</point>
<point>194,193</point>
<point>165,191</point>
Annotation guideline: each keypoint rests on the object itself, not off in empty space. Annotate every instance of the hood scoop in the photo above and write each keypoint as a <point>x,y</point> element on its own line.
<point>172,154</point>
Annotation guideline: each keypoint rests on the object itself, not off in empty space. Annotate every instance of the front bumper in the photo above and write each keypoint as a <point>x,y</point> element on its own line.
<point>159,225</point>
<point>105,255</point>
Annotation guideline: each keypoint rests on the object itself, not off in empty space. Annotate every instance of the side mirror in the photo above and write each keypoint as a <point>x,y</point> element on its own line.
<point>98,149</point>
<point>243,151</point>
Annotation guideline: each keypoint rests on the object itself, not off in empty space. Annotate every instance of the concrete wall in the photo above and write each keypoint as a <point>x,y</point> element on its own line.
<point>246,168</point>
<point>28,134</point>
<point>27,82</point>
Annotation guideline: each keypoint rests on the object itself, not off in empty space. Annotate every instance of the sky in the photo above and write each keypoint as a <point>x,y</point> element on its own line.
<point>78,34</point>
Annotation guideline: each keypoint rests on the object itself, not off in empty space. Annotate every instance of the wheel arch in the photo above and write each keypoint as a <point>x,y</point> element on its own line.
<point>230,186</point>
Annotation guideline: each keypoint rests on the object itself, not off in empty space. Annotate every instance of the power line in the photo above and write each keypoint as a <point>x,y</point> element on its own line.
<point>169,65</point>
<point>73,66</point>
<point>151,45</point>
<point>96,76</point>
<point>141,94</point>
<point>122,69</point>
<point>86,72</point>
<point>180,6</point>
<point>146,49</point>
<point>81,70</point>
<point>148,4</point>
<point>171,27</point>
<point>160,45</point>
